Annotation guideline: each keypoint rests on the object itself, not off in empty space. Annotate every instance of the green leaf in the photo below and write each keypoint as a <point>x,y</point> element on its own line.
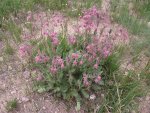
<point>78,106</point>
<point>41,89</point>
<point>85,94</point>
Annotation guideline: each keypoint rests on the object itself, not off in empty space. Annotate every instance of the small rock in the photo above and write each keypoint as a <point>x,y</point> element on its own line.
<point>148,24</point>
<point>26,74</point>
<point>44,107</point>
<point>102,95</point>
<point>147,98</point>
<point>13,92</point>
<point>1,59</point>
<point>92,97</point>
<point>25,99</point>
<point>133,111</point>
<point>9,68</point>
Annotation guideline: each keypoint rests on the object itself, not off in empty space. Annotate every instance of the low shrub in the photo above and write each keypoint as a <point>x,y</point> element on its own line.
<point>74,59</point>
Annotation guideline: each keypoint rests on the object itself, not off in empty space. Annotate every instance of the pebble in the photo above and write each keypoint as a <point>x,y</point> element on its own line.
<point>44,107</point>
<point>9,68</point>
<point>25,99</point>
<point>26,74</point>
<point>92,97</point>
<point>147,98</point>
<point>1,59</point>
<point>13,92</point>
<point>148,24</point>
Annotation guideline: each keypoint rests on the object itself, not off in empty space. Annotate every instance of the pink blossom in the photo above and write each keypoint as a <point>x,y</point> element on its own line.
<point>54,38</point>
<point>55,41</point>
<point>96,66</point>
<point>81,62</point>
<point>53,35</point>
<point>39,78</point>
<point>75,63</point>
<point>106,52</point>
<point>58,62</point>
<point>24,50</point>
<point>97,79</point>
<point>53,70</point>
<point>62,66</point>
<point>41,58</point>
<point>72,40</point>
<point>75,55</point>
<point>85,80</point>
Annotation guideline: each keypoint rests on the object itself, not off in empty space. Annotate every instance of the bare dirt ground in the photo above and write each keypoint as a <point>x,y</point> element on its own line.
<point>16,83</point>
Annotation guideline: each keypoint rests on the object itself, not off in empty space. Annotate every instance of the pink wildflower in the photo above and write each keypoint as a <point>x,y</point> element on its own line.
<point>54,38</point>
<point>85,80</point>
<point>39,78</point>
<point>106,52</point>
<point>41,58</point>
<point>96,66</point>
<point>97,79</point>
<point>81,62</point>
<point>58,62</point>
<point>75,63</point>
<point>72,40</point>
<point>75,56</point>
<point>53,70</point>
<point>24,50</point>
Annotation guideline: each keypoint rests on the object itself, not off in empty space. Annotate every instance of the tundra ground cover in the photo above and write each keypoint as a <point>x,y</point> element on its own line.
<point>80,60</point>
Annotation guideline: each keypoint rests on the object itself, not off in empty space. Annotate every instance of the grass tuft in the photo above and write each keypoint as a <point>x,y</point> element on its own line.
<point>11,105</point>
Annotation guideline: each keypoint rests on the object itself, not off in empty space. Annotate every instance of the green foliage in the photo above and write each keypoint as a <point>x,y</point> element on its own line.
<point>11,105</point>
<point>8,49</point>
<point>120,94</point>
<point>120,13</point>
<point>142,8</point>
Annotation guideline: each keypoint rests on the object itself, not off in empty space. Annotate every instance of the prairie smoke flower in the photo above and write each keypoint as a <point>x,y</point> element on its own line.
<point>53,70</point>
<point>97,79</point>
<point>41,58</point>
<point>39,78</point>
<point>75,55</point>
<point>90,59</point>
<point>106,53</point>
<point>55,41</point>
<point>24,50</point>
<point>85,80</point>
<point>81,62</point>
<point>58,62</point>
<point>54,38</point>
<point>96,66</point>
<point>91,48</point>
<point>53,35</point>
<point>75,63</point>
<point>104,18</point>
<point>72,40</point>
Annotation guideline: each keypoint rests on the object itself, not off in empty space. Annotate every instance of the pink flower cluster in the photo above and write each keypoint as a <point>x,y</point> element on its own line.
<point>122,33</point>
<point>41,58</point>
<point>24,50</point>
<point>54,38</point>
<point>72,40</point>
<point>86,82</point>
<point>90,18</point>
<point>57,63</point>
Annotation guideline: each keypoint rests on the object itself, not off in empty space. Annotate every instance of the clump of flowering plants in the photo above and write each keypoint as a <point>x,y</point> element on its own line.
<point>73,64</point>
